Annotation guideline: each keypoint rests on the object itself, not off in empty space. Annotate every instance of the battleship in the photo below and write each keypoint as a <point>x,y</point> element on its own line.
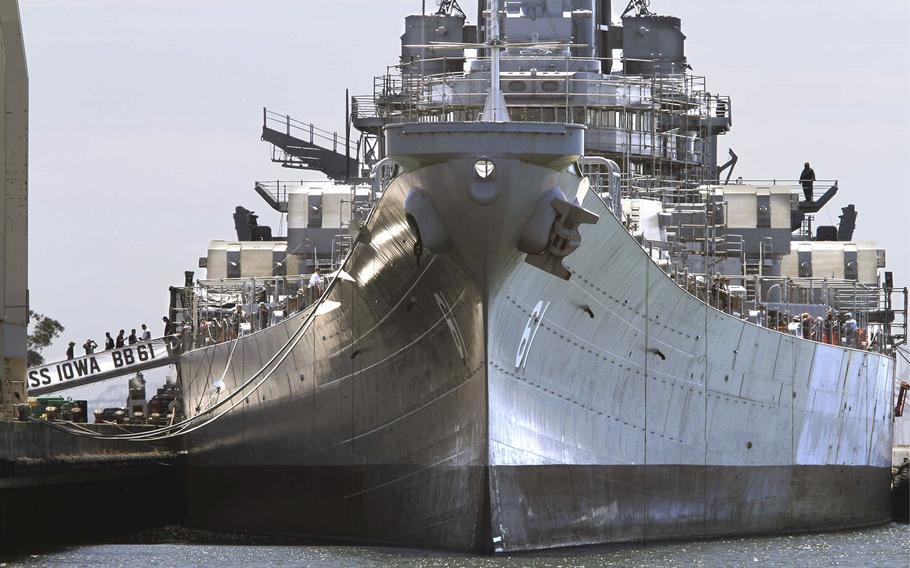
<point>529,308</point>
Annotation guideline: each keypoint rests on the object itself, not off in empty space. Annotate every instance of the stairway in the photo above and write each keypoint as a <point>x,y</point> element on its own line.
<point>301,145</point>
<point>752,272</point>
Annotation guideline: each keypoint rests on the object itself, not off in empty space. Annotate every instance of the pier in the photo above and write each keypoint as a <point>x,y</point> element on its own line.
<point>56,488</point>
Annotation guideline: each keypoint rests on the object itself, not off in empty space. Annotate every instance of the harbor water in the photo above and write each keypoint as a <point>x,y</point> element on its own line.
<point>880,546</point>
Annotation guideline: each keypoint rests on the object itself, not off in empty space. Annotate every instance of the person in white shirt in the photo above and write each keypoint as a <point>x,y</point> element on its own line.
<point>849,334</point>
<point>316,281</point>
<point>314,286</point>
<point>146,334</point>
<point>794,327</point>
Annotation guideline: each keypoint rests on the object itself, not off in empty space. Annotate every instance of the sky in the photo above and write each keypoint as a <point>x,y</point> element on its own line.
<point>146,115</point>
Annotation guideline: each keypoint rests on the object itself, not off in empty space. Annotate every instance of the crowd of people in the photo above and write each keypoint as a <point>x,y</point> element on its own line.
<point>834,329</point>
<point>122,340</point>
<point>267,307</point>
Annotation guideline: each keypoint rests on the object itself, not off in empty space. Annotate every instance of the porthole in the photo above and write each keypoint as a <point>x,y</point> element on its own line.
<point>484,169</point>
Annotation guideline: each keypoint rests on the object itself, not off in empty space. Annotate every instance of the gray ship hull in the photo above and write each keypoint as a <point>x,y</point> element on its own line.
<point>373,430</point>
<point>470,401</point>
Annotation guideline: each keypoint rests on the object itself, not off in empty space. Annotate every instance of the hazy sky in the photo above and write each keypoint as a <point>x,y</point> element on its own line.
<point>145,121</point>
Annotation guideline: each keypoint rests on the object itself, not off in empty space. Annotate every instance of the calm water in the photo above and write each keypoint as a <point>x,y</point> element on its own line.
<point>884,546</point>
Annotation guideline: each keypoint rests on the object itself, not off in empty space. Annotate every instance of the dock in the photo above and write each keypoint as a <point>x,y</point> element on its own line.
<point>57,488</point>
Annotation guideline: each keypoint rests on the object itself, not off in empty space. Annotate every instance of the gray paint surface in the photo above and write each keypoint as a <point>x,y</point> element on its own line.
<point>420,388</point>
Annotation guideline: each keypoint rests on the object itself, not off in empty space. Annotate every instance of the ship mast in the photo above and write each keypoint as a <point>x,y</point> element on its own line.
<point>495,109</point>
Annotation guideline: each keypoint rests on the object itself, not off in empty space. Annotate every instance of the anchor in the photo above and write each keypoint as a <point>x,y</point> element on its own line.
<point>564,237</point>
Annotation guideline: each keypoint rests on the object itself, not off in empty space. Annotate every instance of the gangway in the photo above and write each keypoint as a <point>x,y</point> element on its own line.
<point>98,367</point>
<point>301,145</point>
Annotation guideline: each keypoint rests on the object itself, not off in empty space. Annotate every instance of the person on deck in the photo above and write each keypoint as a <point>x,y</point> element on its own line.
<point>132,338</point>
<point>237,318</point>
<point>168,330</point>
<point>829,330</point>
<point>121,339</point>
<point>316,282</point>
<point>69,350</point>
<point>90,346</point>
<point>263,315</point>
<point>807,326</point>
<point>314,286</point>
<point>146,334</point>
<point>861,338</point>
<point>850,327</point>
<point>807,179</point>
<point>188,335</point>
<point>108,341</point>
<point>818,330</point>
<point>794,327</point>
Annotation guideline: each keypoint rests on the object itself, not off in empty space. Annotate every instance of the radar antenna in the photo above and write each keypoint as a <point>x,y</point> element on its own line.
<point>449,7</point>
<point>640,7</point>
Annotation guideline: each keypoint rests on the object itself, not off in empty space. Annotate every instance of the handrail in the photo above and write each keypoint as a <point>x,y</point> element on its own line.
<point>862,329</point>
<point>310,133</point>
<point>277,190</point>
<point>626,110</point>
<point>415,86</point>
<point>364,106</point>
<point>822,189</point>
<point>777,181</point>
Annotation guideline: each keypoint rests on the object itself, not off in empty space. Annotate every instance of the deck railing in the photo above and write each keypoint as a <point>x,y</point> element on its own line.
<point>306,131</point>
<point>826,310</point>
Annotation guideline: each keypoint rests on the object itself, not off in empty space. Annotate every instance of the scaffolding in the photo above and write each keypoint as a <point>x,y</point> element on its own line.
<point>658,128</point>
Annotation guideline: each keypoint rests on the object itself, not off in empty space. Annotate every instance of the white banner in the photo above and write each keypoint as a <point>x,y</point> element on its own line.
<point>119,360</point>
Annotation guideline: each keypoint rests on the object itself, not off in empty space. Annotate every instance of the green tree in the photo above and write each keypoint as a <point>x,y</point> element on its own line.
<point>43,332</point>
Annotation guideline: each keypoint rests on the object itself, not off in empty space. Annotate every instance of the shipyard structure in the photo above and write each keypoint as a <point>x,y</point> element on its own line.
<point>13,210</point>
<point>531,305</point>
